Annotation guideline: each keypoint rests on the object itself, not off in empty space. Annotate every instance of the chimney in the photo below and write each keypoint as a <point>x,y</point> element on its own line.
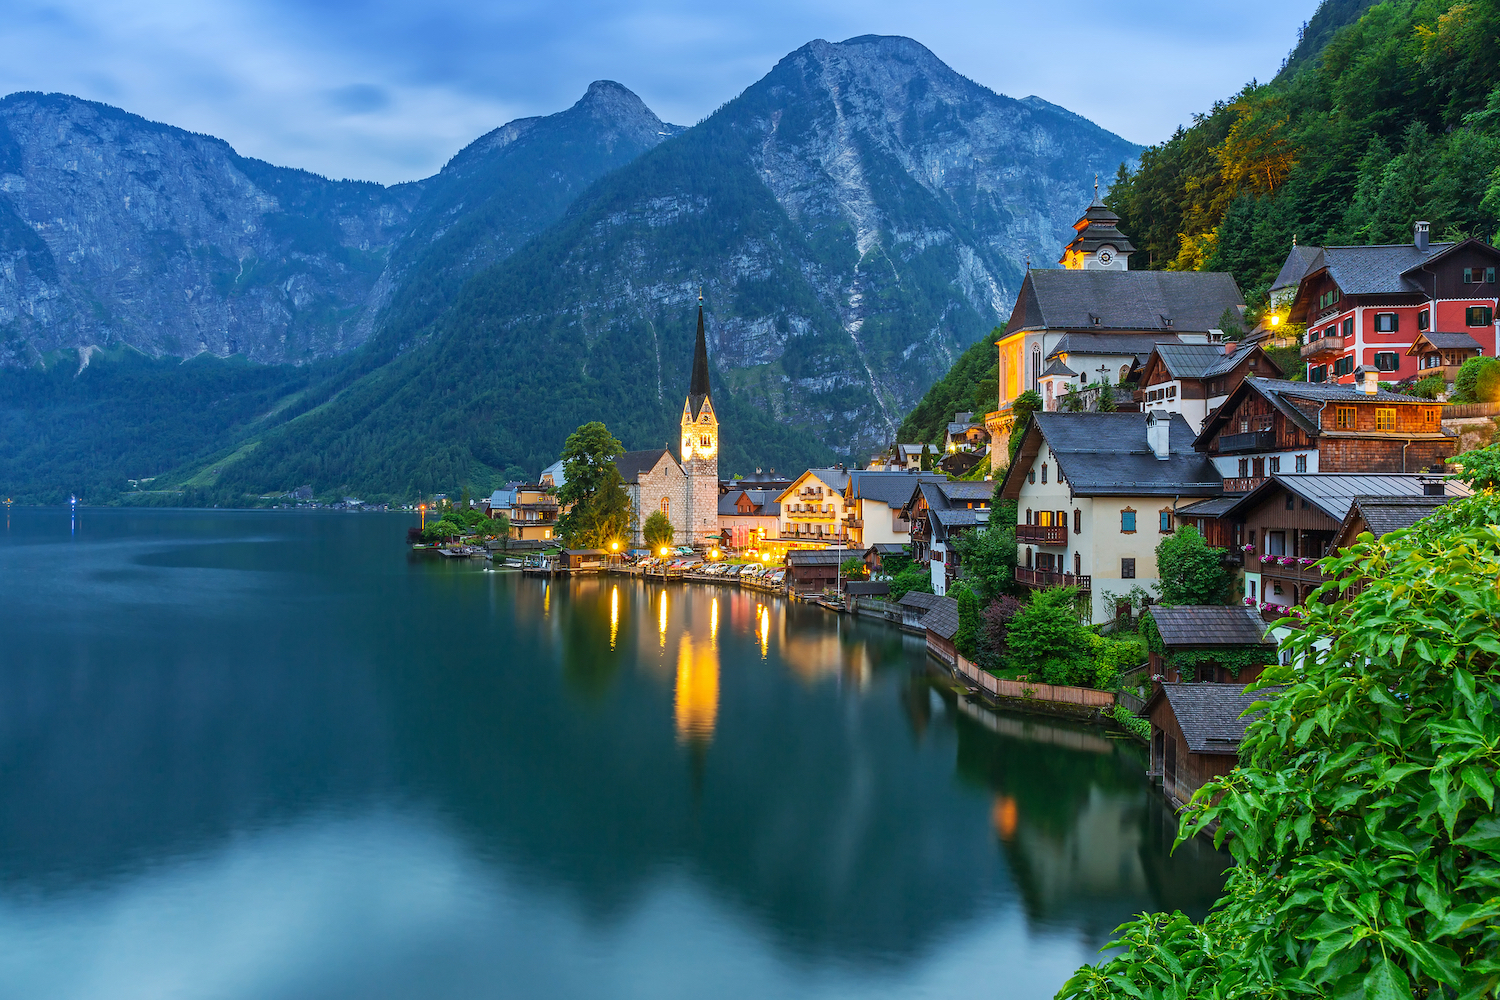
<point>1419,237</point>
<point>1367,380</point>
<point>1229,347</point>
<point>1158,434</point>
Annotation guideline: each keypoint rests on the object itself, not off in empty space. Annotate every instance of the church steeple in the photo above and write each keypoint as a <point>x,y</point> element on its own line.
<point>1099,245</point>
<point>698,390</point>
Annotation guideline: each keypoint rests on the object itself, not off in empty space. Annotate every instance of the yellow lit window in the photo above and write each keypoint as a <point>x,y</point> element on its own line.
<point>1385,419</point>
<point>1430,416</point>
<point>1343,418</point>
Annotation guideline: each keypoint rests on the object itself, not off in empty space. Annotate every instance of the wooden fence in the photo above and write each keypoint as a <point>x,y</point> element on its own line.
<point>1457,411</point>
<point>1025,690</point>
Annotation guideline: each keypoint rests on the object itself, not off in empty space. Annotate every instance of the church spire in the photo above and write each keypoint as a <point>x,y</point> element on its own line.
<point>698,389</point>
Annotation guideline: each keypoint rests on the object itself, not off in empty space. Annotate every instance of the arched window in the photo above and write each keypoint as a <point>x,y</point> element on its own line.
<point>1036,366</point>
<point>1028,515</point>
<point>1124,372</point>
<point>1077,521</point>
<point>1077,564</point>
<point>1028,557</point>
<point>1044,472</point>
<point>666,505</point>
<point>1031,476</point>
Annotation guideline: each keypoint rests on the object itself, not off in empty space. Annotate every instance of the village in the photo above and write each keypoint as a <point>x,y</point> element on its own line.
<point>1133,412</point>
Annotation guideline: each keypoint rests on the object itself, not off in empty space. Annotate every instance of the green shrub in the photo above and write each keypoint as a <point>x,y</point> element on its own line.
<point>1430,387</point>
<point>1477,381</point>
<point>1137,726</point>
<point>1047,639</point>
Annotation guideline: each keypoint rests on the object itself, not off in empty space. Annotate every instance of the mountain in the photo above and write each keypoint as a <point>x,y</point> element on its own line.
<point>116,231</point>
<point>856,219</point>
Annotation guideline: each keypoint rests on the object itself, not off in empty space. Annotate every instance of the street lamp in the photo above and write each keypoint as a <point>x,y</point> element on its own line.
<point>423,508</point>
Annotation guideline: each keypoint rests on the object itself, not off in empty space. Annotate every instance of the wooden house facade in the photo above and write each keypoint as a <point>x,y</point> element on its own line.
<point>1196,730</point>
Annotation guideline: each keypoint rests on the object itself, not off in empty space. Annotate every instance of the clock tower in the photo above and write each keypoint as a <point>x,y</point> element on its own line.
<point>700,448</point>
<point>1099,245</point>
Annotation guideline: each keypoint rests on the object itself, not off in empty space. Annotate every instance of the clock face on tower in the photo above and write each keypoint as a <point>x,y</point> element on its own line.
<point>1106,255</point>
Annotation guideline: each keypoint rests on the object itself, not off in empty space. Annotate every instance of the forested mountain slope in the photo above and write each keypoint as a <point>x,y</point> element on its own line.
<point>856,218</point>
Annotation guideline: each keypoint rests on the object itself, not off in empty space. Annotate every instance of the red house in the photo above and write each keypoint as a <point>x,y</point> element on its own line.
<point>1365,306</point>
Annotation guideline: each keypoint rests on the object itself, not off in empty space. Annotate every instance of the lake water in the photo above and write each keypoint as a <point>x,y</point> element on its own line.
<point>276,755</point>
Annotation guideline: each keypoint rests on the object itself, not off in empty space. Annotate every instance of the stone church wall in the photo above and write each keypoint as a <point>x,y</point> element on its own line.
<point>664,481</point>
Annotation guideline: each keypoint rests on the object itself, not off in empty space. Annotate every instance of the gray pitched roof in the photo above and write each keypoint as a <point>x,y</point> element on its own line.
<point>891,488</point>
<point>819,557</point>
<point>867,588</point>
<point>960,517</point>
<point>837,479</point>
<point>1106,454</point>
<point>1190,625</point>
<point>1334,492</point>
<point>1298,262</point>
<point>1209,714</point>
<point>1445,341</point>
<point>1384,514</point>
<point>1123,300</point>
<point>633,463</point>
<point>764,500</point>
<point>1058,368</point>
<point>967,491</point>
<point>942,617</point>
<point>1375,270</point>
<point>1210,508</point>
<point>1190,360</point>
<point>887,548</point>
<point>1300,402</point>
<point>916,600</point>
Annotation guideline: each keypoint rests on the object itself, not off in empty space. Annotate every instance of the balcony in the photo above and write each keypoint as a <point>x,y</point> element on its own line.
<point>1038,534</point>
<point>1251,441</point>
<point>1243,484</point>
<point>1045,578</point>
<point>1322,347</point>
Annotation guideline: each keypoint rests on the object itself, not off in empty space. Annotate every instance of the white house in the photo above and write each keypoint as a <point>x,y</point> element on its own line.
<point>1095,495</point>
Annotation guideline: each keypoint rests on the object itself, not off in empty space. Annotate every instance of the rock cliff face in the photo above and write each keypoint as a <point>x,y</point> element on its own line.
<point>119,231</point>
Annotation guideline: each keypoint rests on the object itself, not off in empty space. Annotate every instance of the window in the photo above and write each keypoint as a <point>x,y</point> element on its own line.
<point>1276,543</point>
<point>1431,417</point>
<point>1344,418</point>
<point>1344,366</point>
<point>1044,518</point>
<point>1077,564</point>
<point>1301,463</point>
<point>1328,298</point>
<point>1166,522</point>
<point>1077,521</point>
<point>1252,590</point>
<point>1044,472</point>
<point>1387,361</point>
<point>1036,367</point>
<point>1489,276</point>
<point>1317,373</point>
<point>1291,502</point>
<point>1479,316</point>
<point>1274,465</point>
<point>1387,323</point>
<point>1127,569</point>
<point>1031,476</point>
<point>1127,521</point>
<point>1424,319</point>
<point>1349,327</point>
<point>1468,276</point>
<point>665,504</point>
<point>1244,468</point>
<point>1028,557</point>
<point>1385,419</point>
<point>1062,519</point>
<point>1028,515</point>
<point>1259,467</point>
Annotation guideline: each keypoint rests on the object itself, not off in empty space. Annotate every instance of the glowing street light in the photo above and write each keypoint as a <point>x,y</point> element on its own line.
<point>423,508</point>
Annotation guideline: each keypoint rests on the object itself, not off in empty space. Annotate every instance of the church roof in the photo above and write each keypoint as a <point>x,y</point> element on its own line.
<point>1170,302</point>
<point>698,389</point>
<point>1097,227</point>
<point>633,463</point>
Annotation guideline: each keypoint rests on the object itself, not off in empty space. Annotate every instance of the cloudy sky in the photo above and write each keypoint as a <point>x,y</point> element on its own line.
<point>388,90</point>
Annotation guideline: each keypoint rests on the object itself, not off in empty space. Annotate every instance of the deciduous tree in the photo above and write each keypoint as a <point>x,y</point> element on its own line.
<point>596,508</point>
<point>1191,572</point>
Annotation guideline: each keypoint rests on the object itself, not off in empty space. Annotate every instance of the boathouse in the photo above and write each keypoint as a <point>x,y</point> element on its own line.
<point>1209,643</point>
<point>813,570</point>
<point>1196,731</point>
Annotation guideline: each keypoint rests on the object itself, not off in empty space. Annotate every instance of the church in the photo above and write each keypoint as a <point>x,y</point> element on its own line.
<point>685,489</point>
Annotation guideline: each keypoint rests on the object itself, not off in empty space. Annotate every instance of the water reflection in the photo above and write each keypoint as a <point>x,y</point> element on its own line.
<point>579,784</point>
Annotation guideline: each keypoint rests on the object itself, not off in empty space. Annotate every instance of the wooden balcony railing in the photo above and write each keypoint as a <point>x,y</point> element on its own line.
<point>1249,441</point>
<point>1322,346</point>
<point>1243,485</point>
<point>1038,534</point>
<point>1046,578</point>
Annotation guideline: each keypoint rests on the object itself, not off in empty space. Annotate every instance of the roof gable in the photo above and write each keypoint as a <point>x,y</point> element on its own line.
<point>634,464</point>
<point>1210,715</point>
<point>1107,454</point>
<point>1166,301</point>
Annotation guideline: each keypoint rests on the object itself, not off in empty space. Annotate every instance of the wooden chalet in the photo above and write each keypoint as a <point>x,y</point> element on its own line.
<point>1196,379</point>
<point>1381,515</point>
<point>582,560</point>
<point>1268,426</point>
<point>1196,731</point>
<point>1442,354</point>
<point>811,571</point>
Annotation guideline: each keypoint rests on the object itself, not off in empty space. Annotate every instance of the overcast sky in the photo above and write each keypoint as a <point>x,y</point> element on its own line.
<point>388,90</point>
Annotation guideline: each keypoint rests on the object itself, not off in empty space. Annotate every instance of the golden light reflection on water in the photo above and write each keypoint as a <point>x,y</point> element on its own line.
<point>614,615</point>
<point>713,620</point>
<point>763,616</point>
<point>661,624</point>
<point>696,706</point>
<point>546,598</point>
<point>1004,816</point>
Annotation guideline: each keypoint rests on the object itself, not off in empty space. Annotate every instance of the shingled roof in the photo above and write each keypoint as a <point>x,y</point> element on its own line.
<point>764,501</point>
<point>1298,262</point>
<point>1201,625</point>
<point>1210,714</point>
<point>890,488</point>
<point>941,618</point>
<point>1333,492</point>
<point>1381,515</point>
<point>1125,345</point>
<point>1375,270</point>
<point>1106,454</point>
<point>1444,341</point>
<point>1301,402</point>
<point>1123,300</point>
<point>633,463</point>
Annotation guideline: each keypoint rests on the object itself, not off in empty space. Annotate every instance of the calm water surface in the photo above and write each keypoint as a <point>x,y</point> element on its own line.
<point>275,755</point>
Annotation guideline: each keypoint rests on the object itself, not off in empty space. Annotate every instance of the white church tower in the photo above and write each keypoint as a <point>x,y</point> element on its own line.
<point>1099,245</point>
<point>700,448</point>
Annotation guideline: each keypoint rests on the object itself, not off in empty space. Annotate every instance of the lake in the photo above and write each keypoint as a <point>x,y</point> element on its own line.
<point>277,755</point>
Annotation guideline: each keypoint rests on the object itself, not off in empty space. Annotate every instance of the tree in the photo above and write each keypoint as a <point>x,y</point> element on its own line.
<point>1047,639</point>
<point>1106,402</point>
<point>988,554</point>
<point>1361,817</point>
<point>1191,572</point>
<point>596,507</point>
<point>657,531</point>
<point>446,528</point>
<point>1480,467</point>
<point>997,618</point>
<point>1021,409</point>
<point>1477,381</point>
<point>970,621</point>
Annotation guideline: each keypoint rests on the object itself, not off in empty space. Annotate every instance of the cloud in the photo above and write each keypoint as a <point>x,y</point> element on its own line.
<point>388,90</point>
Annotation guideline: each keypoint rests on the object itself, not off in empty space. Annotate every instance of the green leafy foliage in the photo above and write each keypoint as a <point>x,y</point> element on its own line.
<point>596,509</point>
<point>1480,467</point>
<point>1477,381</point>
<point>1362,817</point>
<point>1429,387</point>
<point>971,386</point>
<point>970,620</point>
<point>988,554</point>
<point>1047,639</point>
<point>1191,571</point>
<point>906,576</point>
<point>657,530</point>
<point>1138,727</point>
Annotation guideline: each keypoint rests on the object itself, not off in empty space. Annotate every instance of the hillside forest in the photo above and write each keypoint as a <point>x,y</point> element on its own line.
<point>1382,115</point>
